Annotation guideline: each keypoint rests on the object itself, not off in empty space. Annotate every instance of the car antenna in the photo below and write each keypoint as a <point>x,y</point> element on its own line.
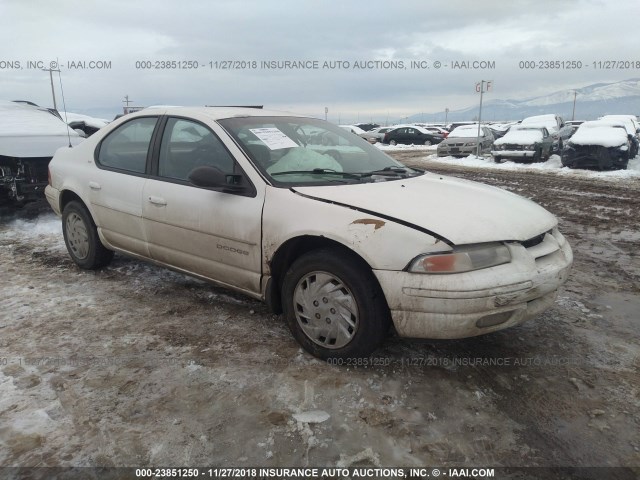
<point>65,109</point>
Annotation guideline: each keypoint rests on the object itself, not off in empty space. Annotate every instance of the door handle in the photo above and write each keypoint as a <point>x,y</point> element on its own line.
<point>94,186</point>
<point>157,200</point>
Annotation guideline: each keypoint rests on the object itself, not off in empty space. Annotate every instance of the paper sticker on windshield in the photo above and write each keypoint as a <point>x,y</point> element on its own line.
<point>273,138</point>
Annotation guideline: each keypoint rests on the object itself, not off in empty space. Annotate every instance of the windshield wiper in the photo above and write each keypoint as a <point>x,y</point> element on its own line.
<point>390,170</point>
<point>317,171</point>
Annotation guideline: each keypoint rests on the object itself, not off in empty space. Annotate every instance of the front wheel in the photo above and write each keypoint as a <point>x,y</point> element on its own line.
<point>334,306</point>
<point>81,238</point>
<point>427,143</point>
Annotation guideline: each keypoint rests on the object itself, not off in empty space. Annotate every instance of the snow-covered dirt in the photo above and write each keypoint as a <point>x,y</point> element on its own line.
<point>135,365</point>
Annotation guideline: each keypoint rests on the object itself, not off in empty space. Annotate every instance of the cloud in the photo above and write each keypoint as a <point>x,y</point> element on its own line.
<point>203,31</point>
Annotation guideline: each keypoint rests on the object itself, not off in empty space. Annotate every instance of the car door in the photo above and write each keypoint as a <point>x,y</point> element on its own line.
<point>412,137</point>
<point>211,233</point>
<point>115,187</point>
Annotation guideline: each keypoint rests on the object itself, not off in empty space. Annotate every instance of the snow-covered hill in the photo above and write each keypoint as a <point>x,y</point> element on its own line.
<point>592,101</point>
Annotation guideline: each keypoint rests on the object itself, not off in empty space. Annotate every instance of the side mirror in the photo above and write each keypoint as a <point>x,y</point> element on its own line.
<point>212,177</point>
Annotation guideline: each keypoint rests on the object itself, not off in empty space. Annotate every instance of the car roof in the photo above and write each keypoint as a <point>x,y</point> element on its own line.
<point>215,113</point>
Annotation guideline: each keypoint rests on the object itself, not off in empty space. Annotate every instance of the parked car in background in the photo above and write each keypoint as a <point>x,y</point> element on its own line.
<point>463,141</point>
<point>560,132</point>
<point>574,124</point>
<point>367,126</point>
<point>627,118</point>
<point>452,126</point>
<point>523,143</point>
<point>353,129</point>
<point>411,135</point>
<point>499,129</point>
<point>376,135</point>
<point>600,144</point>
<point>242,198</point>
<point>631,125</point>
<point>436,130</point>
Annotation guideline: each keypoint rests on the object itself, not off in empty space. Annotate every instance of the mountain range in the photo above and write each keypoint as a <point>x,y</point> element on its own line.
<point>592,102</point>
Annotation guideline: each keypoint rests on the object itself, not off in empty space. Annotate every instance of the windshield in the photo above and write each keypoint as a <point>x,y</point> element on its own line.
<point>306,151</point>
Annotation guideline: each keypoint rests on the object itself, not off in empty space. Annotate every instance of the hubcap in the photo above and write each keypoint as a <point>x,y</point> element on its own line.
<point>77,236</point>
<point>325,310</point>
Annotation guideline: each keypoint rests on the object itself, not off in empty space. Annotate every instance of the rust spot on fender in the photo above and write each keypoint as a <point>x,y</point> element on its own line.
<point>370,221</point>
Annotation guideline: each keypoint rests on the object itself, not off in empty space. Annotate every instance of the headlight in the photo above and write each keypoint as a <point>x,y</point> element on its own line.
<point>463,259</point>
<point>528,147</point>
<point>470,144</point>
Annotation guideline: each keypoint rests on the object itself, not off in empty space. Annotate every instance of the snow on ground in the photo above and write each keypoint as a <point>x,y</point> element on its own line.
<point>553,165</point>
<point>387,148</point>
<point>47,225</point>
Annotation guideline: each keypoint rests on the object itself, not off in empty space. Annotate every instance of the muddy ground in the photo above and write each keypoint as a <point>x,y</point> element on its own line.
<point>135,365</point>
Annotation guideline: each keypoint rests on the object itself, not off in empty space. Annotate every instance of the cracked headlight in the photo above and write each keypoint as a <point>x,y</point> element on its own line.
<point>462,259</point>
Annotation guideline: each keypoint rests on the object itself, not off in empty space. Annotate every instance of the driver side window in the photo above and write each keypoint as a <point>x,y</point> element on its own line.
<point>187,145</point>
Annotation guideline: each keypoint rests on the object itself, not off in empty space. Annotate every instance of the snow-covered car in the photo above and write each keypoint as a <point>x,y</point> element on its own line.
<point>523,143</point>
<point>344,248</point>
<point>599,144</point>
<point>628,119</point>
<point>463,141</point>
<point>560,132</point>
<point>411,135</point>
<point>353,129</point>
<point>29,136</point>
<point>630,124</point>
<point>375,135</point>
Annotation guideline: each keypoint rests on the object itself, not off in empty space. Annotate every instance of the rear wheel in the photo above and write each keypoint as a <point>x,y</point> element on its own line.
<point>392,142</point>
<point>427,143</point>
<point>333,305</point>
<point>497,159</point>
<point>81,238</point>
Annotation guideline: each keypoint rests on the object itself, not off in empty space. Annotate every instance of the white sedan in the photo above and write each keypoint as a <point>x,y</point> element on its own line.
<point>341,238</point>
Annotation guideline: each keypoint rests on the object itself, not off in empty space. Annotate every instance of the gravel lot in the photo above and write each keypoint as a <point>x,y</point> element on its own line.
<point>138,366</point>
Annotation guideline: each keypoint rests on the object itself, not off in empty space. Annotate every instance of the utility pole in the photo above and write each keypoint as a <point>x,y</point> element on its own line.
<point>573,115</point>
<point>481,85</point>
<point>446,115</point>
<point>126,101</point>
<point>326,111</point>
<point>53,92</point>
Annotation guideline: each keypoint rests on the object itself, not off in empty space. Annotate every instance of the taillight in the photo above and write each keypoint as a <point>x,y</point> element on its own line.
<point>386,137</point>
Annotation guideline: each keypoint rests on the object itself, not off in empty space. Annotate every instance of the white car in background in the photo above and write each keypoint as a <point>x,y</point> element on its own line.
<point>463,141</point>
<point>344,245</point>
<point>353,129</point>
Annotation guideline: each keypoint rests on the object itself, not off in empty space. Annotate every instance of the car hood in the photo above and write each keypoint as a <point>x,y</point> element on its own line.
<point>456,210</point>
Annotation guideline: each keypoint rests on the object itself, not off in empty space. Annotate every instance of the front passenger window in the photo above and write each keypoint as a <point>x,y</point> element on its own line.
<point>187,145</point>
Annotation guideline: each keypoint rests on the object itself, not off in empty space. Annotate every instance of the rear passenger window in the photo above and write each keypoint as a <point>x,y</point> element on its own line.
<point>126,147</point>
<point>187,145</point>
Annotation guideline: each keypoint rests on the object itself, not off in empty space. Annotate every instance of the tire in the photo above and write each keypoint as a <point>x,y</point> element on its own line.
<point>427,143</point>
<point>316,316</point>
<point>392,142</point>
<point>81,238</point>
<point>497,159</point>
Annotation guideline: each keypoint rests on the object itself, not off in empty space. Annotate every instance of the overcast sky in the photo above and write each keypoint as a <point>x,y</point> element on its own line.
<point>123,32</point>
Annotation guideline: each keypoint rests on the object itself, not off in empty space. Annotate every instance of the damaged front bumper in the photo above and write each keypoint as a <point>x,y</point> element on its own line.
<point>597,156</point>
<point>482,301</point>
